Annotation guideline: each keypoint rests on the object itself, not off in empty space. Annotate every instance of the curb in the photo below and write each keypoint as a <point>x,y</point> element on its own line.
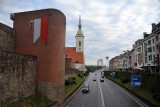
<point>70,96</point>
<point>137,97</point>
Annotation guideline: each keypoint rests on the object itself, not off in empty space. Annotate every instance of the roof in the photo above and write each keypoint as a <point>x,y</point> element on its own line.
<point>70,52</point>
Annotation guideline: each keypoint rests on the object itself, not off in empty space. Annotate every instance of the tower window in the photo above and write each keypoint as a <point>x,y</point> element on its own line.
<point>79,43</point>
<point>31,24</point>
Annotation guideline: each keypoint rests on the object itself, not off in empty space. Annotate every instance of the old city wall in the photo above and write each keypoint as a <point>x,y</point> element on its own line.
<point>50,56</point>
<point>17,71</point>
<point>17,77</point>
<point>6,38</point>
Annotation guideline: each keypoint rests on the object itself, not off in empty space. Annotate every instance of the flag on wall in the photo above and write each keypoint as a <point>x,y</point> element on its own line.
<point>40,29</point>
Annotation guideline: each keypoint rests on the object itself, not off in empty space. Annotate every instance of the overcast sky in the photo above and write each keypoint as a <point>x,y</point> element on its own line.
<point>109,26</point>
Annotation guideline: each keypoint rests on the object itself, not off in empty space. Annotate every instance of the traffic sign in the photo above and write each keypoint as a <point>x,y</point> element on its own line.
<point>136,80</point>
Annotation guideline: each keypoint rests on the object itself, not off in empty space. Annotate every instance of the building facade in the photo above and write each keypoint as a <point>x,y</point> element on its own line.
<point>156,32</point>
<point>138,55</point>
<point>149,52</point>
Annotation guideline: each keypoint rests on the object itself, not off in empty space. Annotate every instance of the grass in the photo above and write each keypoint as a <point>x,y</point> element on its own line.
<point>139,90</point>
<point>31,101</point>
<point>69,88</point>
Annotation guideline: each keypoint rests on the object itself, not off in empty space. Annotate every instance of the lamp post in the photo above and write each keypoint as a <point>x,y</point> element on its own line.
<point>106,62</point>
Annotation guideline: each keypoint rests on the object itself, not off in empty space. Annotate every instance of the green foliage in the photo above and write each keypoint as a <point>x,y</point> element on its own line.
<point>32,101</point>
<point>156,96</point>
<point>80,75</point>
<point>125,80</point>
<point>74,78</point>
<point>93,68</point>
<point>74,82</point>
<point>67,82</point>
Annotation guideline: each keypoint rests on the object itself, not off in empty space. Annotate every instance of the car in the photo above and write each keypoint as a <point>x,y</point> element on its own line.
<point>94,79</point>
<point>95,74</point>
<point>102,80</point>
<point>85,88</point>
<point>102,76</point>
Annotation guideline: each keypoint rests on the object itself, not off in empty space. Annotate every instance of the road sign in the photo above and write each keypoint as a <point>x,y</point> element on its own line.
<point>113,74</point>
<point>136,80</point>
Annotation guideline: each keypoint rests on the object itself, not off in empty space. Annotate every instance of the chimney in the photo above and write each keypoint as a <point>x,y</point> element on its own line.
<point>153,26</point>
<point>144,34</point>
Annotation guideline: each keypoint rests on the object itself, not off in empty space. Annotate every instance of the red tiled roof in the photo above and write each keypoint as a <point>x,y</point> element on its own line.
<point>70,52</point>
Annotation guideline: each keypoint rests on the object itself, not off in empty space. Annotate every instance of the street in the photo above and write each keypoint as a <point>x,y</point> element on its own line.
<point>102,94</point>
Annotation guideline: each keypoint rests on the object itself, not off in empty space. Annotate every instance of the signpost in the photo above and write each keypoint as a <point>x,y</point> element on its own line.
<point>136,80</point>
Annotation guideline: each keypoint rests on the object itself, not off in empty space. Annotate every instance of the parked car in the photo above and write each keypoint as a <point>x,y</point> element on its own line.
<point>102,76</point>
<point>85,88</point>
<point>102,80</point>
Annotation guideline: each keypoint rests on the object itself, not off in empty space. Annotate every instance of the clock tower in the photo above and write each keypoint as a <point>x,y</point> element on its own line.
<point>79,38</point>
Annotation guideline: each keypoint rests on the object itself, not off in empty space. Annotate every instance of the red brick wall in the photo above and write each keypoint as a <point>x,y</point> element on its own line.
<point>50,56</point>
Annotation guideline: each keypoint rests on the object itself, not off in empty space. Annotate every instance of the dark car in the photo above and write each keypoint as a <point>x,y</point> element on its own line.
<point>102,76</point>
<point>102,80</point>
<point>85,88</point>
<point>94,79</point>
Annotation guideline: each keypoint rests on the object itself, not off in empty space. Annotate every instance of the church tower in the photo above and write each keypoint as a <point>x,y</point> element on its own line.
<point>79,38</point>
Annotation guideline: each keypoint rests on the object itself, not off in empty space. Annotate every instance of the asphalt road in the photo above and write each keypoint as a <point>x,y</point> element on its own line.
<point>102,94</point>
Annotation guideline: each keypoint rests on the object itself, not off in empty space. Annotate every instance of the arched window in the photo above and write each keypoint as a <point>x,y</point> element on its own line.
<point>79,43</point>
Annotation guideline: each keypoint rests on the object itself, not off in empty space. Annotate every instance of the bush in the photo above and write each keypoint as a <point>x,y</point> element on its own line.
<point>156,96</point>
<point>74,78</point>
<point>125,80</point>
<point>74,82</point>
<point>67,82</point>
<point>80,75</point>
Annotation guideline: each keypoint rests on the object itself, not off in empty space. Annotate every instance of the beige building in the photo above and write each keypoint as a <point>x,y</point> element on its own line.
<point>138,55</point>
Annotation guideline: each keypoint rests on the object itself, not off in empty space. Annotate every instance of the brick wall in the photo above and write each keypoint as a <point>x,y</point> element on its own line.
<point>17,77</point>
<point>68,62</point>
<point>50,56</point>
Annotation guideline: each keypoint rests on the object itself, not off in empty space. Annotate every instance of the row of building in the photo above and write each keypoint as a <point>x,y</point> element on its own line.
<point>145,55</point>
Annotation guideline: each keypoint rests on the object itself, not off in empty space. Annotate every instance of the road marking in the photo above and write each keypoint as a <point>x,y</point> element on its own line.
<point>103,105</point>
<point>134,98</point>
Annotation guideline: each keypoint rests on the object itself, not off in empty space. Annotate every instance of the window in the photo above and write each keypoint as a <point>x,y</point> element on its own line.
<point>79,43</point>
<point>139,49</point>
<point>145,52</point>
<point>31,24</point>
<point>149,42</point>
<point>153,40</point>
<point>157,47</point>
<point>149,49</point>
<point>150,57</point>
<point>145,45</point>
<point>153,49</point>
<point>146,60</point>
<point>156,38</point>
<point>159,37</point>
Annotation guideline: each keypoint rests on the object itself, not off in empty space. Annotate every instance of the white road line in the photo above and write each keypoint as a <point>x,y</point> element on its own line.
<point>103,105</point>
<point>134,98</point>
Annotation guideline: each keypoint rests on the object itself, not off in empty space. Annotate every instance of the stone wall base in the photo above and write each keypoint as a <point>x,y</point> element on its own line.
<point>47,90</point>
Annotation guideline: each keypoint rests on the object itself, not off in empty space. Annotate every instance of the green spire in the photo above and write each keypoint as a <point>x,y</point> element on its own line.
<point>79,32</point>
<point>79,26</point>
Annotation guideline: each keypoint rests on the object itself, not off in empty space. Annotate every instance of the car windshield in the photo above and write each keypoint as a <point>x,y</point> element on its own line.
<point>85,86</point>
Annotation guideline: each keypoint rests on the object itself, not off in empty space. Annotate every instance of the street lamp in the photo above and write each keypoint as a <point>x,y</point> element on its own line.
<point>106,61</point>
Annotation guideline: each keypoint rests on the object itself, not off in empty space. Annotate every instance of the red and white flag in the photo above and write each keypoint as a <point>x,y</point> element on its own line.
<point>40,29</point>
